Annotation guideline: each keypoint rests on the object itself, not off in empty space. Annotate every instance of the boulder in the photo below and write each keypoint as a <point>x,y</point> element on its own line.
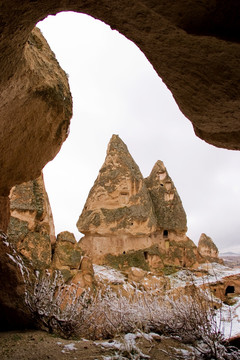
<point>67,254</point>
<point>136,274</point>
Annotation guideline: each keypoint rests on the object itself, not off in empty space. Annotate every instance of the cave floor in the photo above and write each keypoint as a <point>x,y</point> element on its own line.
<point>39,345</point>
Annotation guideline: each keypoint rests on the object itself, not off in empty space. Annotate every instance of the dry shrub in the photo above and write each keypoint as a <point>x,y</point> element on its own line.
<point>105,314</point>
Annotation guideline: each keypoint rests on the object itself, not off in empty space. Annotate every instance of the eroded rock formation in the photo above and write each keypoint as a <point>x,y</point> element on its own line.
<point>67,255</point>
<point>129,221</point>
<point>35,108</point>
<point>208,249</point>
<point>167,204</point>
<point>30,236</point>
<point>31,228</point>
<point>193,46</point>
<point>119,201</point>
<point>31,249</point>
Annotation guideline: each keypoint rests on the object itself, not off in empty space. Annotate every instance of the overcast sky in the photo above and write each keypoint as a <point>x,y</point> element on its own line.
<point>116,91</point>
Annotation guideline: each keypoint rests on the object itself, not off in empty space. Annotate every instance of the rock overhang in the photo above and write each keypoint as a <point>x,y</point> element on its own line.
<point>194,47</point>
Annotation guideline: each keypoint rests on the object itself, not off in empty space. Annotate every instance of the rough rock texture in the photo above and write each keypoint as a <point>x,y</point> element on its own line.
<point>4,213</point>
<point>78,281</point>
<point>30,249</point>
<point>28,246</point>
<point>84,277</point>
<point>193,46</point>
<point>208,249</point>
<point>226,287</point>
<point>67,255</point>
<point>13,310</point>
<point>119,201</point>
<point>31,229</point>
<point>131,222</point>
<point>35,110</point>
<point>166,201</point>
<point>159,260</point>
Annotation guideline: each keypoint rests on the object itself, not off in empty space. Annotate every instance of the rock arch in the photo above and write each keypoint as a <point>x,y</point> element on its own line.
<point>194,47</point>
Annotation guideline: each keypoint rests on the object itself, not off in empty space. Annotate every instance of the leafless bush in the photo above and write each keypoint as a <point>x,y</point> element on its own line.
<point>55,305</point>
<point>105,314</point>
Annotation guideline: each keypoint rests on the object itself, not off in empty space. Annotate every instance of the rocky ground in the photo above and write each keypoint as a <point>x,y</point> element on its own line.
<point>39,345</point>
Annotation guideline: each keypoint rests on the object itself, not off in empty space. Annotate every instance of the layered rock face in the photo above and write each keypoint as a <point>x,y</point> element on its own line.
<point>134,222</point>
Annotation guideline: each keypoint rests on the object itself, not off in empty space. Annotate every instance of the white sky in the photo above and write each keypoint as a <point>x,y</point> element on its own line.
<point>116,91</point>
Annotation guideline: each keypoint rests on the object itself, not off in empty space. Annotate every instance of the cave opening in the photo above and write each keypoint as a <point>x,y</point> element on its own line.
<point>145,255</point>
<point>165,233</point>
<point>116,90</point>
<point>230,289</point>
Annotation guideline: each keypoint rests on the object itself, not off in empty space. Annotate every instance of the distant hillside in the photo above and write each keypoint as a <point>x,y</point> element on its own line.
<point>229,254</point>
<point>230,259</point>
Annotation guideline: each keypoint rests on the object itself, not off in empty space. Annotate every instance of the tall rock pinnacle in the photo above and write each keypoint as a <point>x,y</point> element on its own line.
<point>166,201</point>
<point>119,200</point>
<point>129,221</point>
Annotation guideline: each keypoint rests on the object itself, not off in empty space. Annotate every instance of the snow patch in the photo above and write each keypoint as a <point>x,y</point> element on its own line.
<point>108,274</point>
<point>70,347</point>
<point>128,345</point>
<point>216,272</point>
<point>228,319</point>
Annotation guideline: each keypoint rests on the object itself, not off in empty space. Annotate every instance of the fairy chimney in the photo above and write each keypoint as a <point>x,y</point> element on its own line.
<point>167,204</point>
<point>119,202</point>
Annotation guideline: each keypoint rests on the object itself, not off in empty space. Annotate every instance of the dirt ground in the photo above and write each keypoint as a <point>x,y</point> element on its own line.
<point>39,345</point>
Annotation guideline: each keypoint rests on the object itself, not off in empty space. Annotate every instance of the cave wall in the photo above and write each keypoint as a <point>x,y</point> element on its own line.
<point>193,46</point>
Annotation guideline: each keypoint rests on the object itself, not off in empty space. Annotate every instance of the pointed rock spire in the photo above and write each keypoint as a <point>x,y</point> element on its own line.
<point>166,201</point>
<point>119,200</point>
<point>206,247</point>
